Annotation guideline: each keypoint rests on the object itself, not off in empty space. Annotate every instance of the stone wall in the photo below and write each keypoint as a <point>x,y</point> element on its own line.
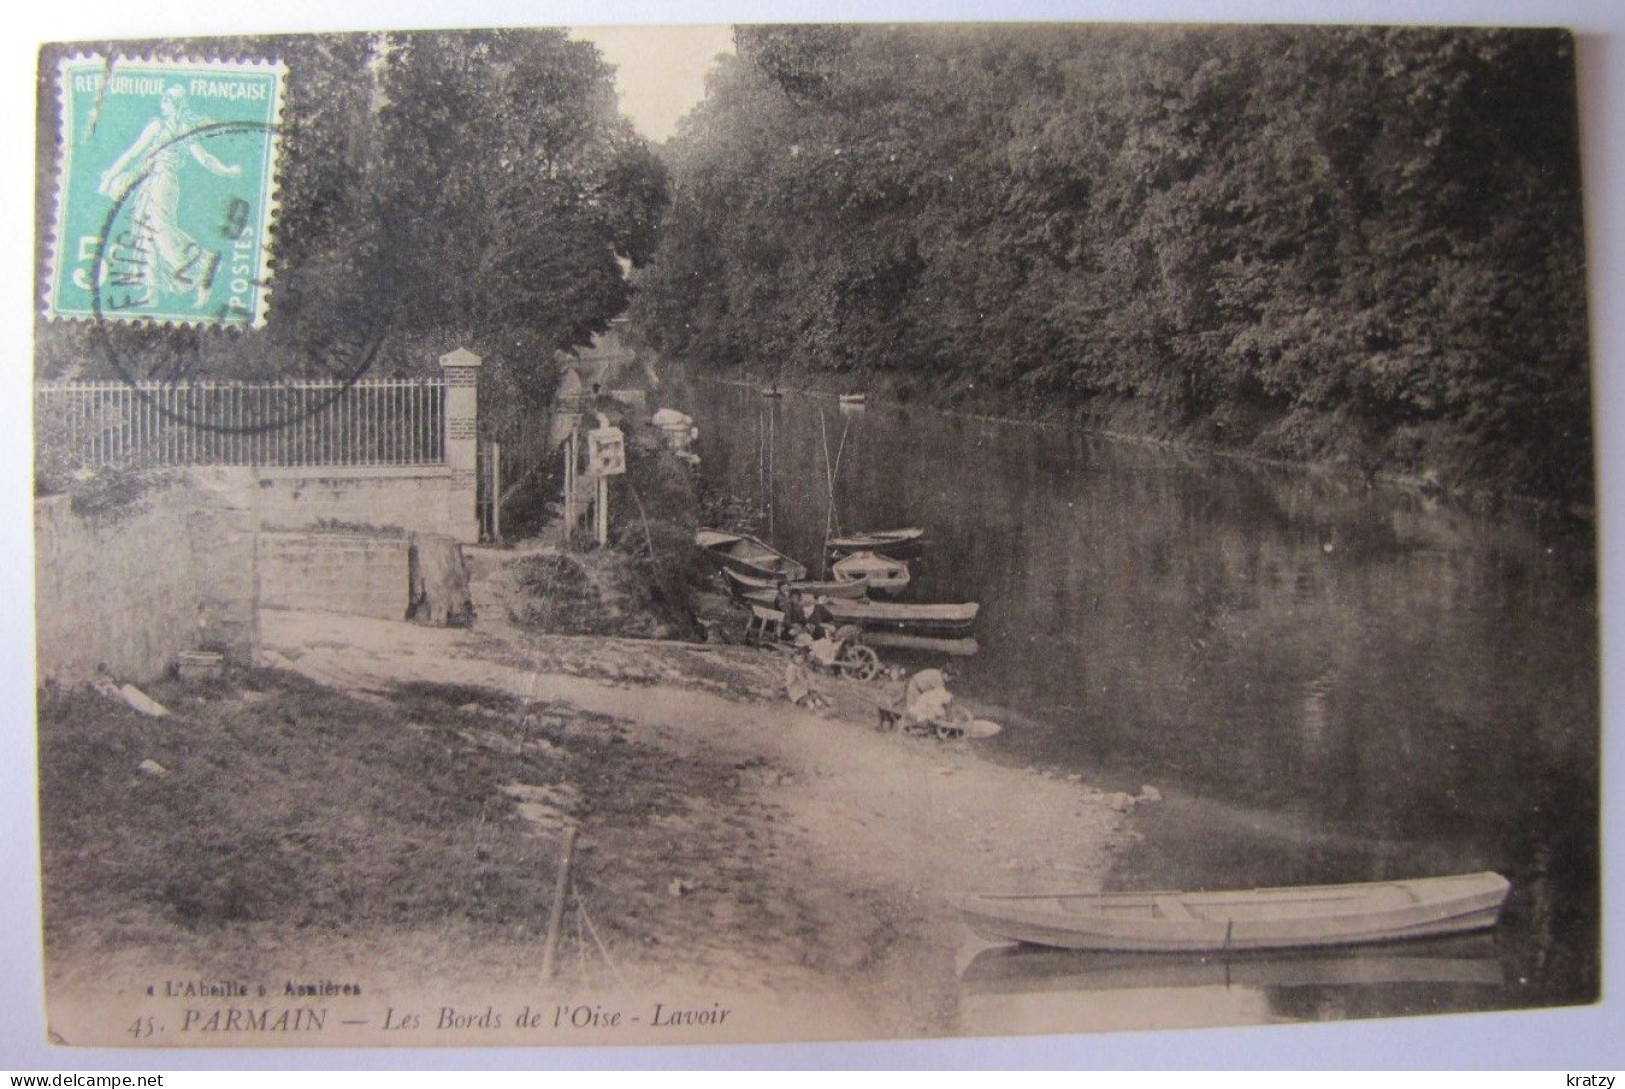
<point>189,566</point>
<point>223,527</point>
<point>131,589</point>
<point>357,574</point>
<point>415,499</point>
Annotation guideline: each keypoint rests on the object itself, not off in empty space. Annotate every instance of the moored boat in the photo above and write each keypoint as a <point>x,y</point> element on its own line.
<point>945,621</point>
<point>746,555</point>
<point>948,619</point>
<point>896,543</point>
<point>854,398</point>
<point>744,585</point>
<point>961,647</point>
<point>1468,959</point>
<point>882,574</point>
<point>1271,918</point>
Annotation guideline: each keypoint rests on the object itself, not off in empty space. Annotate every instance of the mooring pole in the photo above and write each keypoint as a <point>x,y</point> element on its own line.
<point>555,921</point>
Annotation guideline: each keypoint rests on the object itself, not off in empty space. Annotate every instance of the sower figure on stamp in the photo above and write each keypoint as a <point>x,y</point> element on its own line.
<point>147,178</point>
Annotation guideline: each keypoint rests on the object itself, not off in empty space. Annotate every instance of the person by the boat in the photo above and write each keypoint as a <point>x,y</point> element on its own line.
<point>926,699</point>
<point>825,648</point>
<point>796,614</point>
<point>925,681</point>
<point>782,599</point>
<point>818,615</point>
<point>797,684</point>
<point>796,689</point>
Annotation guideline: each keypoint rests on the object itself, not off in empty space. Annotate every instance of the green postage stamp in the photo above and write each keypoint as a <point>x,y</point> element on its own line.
<point>165,190</point>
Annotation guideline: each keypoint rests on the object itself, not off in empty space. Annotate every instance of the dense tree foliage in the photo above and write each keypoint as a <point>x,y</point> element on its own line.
<point>435,189</point>
<point>1319,241</point>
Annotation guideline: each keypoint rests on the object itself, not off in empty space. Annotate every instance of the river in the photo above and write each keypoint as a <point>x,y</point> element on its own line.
<point>1327,682</point>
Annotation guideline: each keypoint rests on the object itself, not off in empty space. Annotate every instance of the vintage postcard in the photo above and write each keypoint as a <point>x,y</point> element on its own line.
<point>642,535</point>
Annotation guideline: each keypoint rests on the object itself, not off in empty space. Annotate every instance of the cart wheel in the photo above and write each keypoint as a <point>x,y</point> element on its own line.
<point>861,661</point>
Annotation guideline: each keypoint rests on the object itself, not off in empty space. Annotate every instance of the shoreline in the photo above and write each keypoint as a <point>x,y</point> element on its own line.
<point>735,851</point>
<point>1477,499</point>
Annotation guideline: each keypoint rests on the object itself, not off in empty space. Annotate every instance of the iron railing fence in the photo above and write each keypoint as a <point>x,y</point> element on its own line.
<point>158,424</point>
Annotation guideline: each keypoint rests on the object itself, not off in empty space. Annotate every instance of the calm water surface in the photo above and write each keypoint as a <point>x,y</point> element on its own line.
<point>1328,683</point>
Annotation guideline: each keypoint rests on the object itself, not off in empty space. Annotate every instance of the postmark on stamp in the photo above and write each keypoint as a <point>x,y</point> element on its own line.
<point>166,194</point>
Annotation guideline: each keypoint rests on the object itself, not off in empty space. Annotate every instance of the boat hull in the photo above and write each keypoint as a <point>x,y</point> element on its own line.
<point>894,543</point>
<point>743,585</point>
<point>749,556</point>
<point>1307,917</point>
<point>1017,969</point>
<point>937,620</point>
<point>961,647</point>
<point>941,621</point>
<point>883,574</point>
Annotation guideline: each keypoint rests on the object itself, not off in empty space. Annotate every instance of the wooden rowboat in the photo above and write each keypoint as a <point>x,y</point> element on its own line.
<point>897,543</point>
<point>958,647</point>
<point>1280,918</point>
<point>1468,959</point>
<point>955,619</point>
<point>853,398</point>
<point>743,585</point>
<point>882,574</point>
<point>882,616</point>
<point>748,556</point>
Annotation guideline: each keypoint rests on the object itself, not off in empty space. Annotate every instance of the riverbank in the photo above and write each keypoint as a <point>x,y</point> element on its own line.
<point>385,808</point>
<point>1428,462</point>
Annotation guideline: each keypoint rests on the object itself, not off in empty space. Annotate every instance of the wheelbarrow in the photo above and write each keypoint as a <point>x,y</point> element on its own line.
<point>851,657</point>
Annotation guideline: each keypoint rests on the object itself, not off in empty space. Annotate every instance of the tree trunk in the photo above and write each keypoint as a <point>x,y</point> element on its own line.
<point>440,594</point>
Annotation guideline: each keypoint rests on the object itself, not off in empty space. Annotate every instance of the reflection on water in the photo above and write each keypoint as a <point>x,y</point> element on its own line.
<point>1328,683</point>
<point>1011,987</point>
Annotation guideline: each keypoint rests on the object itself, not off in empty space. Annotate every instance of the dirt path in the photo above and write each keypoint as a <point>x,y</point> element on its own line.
<point>882,831</point>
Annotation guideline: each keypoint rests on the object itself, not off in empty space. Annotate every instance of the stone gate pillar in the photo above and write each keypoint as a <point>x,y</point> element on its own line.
<point>461,369</point>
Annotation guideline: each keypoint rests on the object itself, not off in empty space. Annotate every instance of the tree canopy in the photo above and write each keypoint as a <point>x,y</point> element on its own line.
<point>1295,238</point>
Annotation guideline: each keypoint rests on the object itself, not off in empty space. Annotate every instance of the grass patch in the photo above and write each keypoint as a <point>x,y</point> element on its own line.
<point>287,805</point>
<point>604,592</point>
<point>282,801</point>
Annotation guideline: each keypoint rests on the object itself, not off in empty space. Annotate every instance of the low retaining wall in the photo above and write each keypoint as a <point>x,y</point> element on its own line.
<point>189,565</point>
<point>415,499</point>
<point>132,589</point>
<point>336,572</point>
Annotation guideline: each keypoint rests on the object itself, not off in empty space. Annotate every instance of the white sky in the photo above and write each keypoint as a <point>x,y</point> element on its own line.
<point>659,71</point>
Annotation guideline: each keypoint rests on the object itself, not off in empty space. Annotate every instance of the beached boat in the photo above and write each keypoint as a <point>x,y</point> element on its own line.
<point>744,585</point>
<point>946,621</point>
<point>1469,959</point>
<point>896,543</point>
<point>925,644</point>
<point>747,555</point>
<point>954,619</point>
<point>1278,918</point>
<point>882,574</point>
